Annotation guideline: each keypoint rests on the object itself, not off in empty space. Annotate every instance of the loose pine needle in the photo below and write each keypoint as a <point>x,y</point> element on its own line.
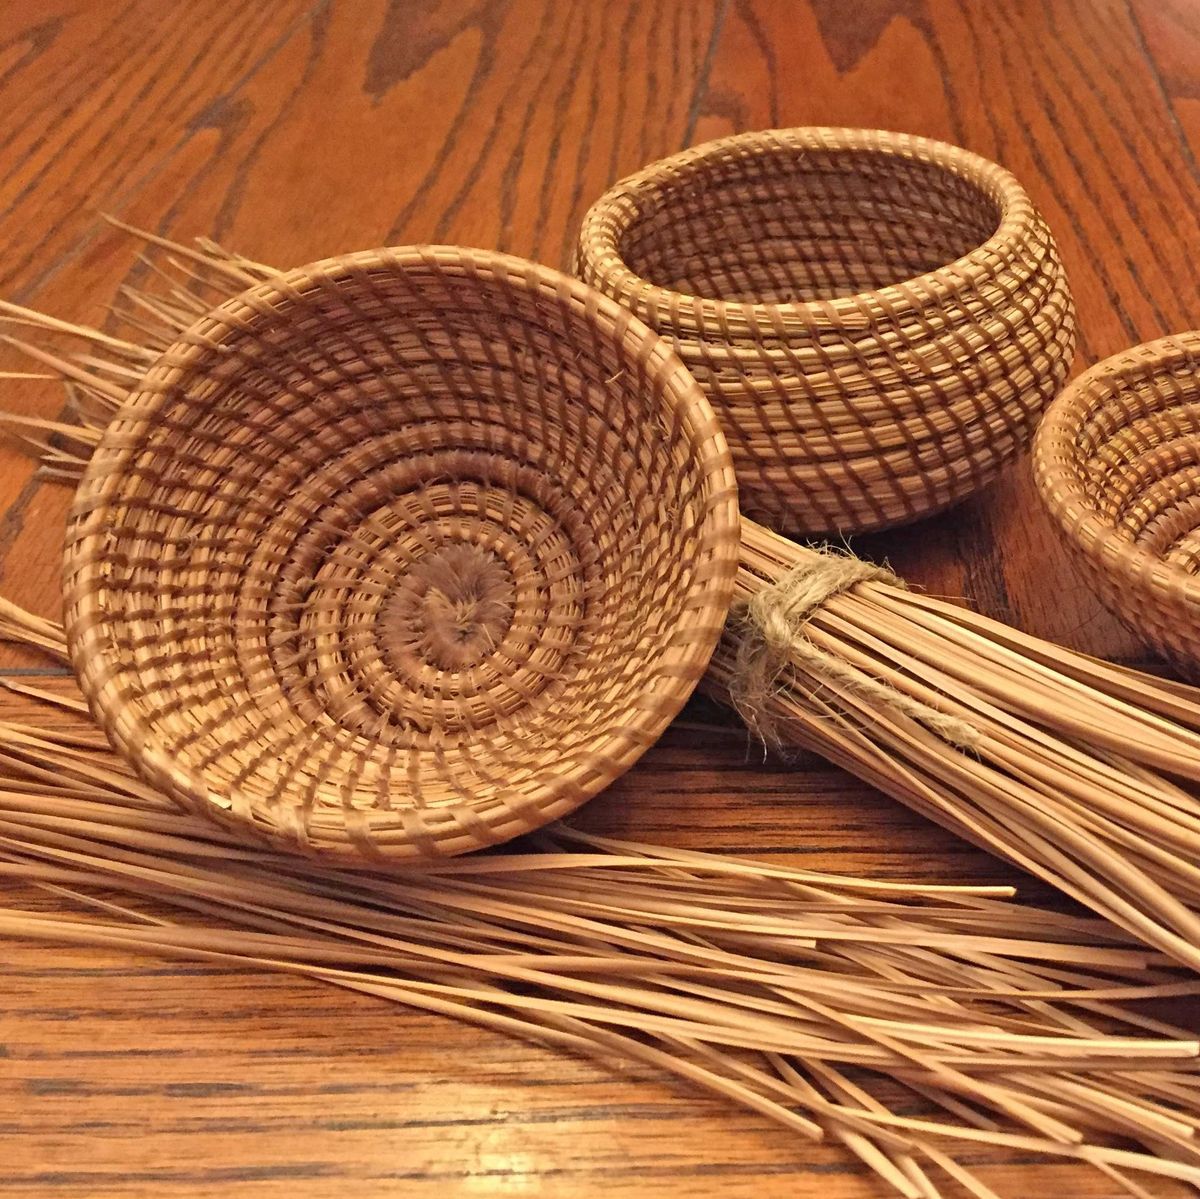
<point>1011,1026</point>
<point>1077,771</point>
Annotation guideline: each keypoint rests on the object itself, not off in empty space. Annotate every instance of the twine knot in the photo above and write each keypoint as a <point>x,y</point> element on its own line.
<point>774,638</point>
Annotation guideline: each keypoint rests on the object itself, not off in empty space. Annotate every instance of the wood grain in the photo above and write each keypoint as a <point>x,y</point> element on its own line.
<point>1169,31</point>
<point>304,127</point>
<point>373,122</point>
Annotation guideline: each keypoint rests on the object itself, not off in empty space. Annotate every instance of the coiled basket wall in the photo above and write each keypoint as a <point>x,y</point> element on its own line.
<point>1117,462</point>
<point>401,554</point>
<point>878,319</point>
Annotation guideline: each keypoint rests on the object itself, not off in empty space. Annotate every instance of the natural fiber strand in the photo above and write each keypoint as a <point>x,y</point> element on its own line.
<point>770,636</point>
<point>1077,771</point>
<point>757,982</point>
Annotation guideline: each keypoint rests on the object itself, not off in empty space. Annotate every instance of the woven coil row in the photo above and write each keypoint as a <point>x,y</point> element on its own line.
<point>401,554</point>
<point>878,319</point>
<point>1117,462</point>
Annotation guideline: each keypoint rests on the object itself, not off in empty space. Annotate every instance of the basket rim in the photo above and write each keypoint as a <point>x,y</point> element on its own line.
<point>681,664</point>
<point>1060,483</point>
<point>599,236</point>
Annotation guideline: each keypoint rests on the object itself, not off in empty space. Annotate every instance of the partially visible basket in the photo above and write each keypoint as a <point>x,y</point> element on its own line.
<point>1117,461</point>
<point>878,319</point>
<point>401,554</point>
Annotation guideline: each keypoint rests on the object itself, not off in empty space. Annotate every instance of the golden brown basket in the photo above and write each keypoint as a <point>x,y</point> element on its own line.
<point>1117,461</point>
<point>878,319</point>
<point>401,554</point>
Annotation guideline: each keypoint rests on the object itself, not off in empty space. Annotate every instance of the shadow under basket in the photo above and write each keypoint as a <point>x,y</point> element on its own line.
<point>1117,462</point>
<point>878,319</point>
<point>401,554</point>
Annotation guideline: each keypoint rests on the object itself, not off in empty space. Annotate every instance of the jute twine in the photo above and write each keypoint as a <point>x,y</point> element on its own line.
<point>772,624</point>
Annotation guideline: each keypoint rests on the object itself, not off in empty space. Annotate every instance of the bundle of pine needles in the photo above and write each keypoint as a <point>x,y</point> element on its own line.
<point>1073,769</point>
<point>805,997</point>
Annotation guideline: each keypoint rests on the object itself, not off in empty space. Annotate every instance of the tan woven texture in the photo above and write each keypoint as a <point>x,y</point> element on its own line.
<point>401,554</point>
<point>878,319</point>
<point>1117,461</point>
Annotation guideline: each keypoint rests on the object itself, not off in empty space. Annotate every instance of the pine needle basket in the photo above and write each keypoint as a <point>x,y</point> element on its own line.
<point>878,319</point>
<point>401,554</point>
<point>1117,462</point>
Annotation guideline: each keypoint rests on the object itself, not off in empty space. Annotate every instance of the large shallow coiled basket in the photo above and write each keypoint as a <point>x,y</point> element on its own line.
<point>1117,461</point>
<point>401,554</point>
<point>878,319</point>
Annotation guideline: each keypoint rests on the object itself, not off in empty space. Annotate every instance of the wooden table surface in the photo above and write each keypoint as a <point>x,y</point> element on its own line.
<point>292,129</point>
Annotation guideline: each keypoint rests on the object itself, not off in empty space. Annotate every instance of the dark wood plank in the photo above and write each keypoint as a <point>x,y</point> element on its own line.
<point>103,106</point>
<point>1170,37</point>
<point>98,100</point>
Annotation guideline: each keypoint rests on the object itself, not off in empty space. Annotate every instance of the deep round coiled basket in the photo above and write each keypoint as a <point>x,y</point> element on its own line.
<point>401,554</point>
<point>1117,462</point>
<point>878,319</point>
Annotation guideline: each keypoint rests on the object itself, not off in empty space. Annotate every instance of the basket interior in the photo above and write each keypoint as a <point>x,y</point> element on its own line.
<point>391,539</point>
<point>1137,456</point>
<point>782,224</point>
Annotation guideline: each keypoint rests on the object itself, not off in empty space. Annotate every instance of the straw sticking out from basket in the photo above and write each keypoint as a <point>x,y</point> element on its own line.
<point>97,377</point>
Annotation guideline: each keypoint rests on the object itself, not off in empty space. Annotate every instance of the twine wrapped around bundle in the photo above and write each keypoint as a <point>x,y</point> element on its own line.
<point>769,629</point>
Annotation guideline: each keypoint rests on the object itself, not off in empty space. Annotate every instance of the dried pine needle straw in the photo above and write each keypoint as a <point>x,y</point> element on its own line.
<point>878,319</point>
<point>399,554</point>
<point>1078,771</point>
<point>1082,773</point>
<point>808,999</point>
<point>906,1022</point>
